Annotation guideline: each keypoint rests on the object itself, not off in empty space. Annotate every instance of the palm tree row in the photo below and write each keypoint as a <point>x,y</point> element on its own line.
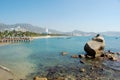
<point>10,34</point>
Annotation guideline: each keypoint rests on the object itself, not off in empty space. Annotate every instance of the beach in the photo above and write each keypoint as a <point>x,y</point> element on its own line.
<point>4,75</point>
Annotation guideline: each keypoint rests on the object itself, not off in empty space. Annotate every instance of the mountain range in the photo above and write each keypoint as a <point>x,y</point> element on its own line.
<point>37,29</point>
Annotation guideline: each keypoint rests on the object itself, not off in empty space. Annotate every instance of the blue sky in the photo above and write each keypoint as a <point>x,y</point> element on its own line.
<point>63,15</point>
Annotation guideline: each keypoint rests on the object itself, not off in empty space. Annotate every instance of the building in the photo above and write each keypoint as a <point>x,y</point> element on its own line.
<point>18,28</point>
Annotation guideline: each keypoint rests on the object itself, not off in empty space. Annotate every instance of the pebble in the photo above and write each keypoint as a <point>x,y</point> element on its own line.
<point>74,56</point>
<point>64,53</point>
<point>82,62</point>
<point>82,70</point>
<point>38,78</point>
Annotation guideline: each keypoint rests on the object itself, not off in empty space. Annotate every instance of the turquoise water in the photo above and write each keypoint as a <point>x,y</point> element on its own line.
<point>25,58</point>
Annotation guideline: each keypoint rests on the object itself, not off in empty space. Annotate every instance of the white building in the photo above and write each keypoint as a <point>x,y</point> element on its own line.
<point>18,28</point>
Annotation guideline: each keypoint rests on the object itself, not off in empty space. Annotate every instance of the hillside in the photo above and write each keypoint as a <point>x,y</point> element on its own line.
<point>36,29</point>
<point>27,27</point>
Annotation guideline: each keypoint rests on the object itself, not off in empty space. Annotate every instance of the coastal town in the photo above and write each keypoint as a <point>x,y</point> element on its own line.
<point>18,34</point>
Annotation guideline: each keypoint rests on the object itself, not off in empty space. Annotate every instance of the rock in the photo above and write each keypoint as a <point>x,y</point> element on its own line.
<point>91,68</point>
<point>75,56</point>
<point>95,47</point>
<point>82,62</point>
<point>82,70</point>
<point>112,57</point>
<point>81,56</point>
<point>38,78</point>
<point>70,78</point>
<point>118,53</point>
<point>64,53</point>
<point>60,78</point>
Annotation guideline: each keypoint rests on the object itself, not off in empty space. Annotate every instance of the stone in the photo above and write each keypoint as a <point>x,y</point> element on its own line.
<point>91,68</point>
<point>82,62</point>
<point>82,70</point>
<point>112,57</point>
<point>60,78</point>
<point>38,78</point>
<point>64,53</point>
<point>75,56</point>
<point>70,77</point>
<point>95,47</point>
<point>81,56</point>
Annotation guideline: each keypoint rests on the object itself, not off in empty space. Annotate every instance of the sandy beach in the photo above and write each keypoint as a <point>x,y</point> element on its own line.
<point>4,75</point>
<point>3,44</point>
<point>32,38</point>
<point>41,37</point>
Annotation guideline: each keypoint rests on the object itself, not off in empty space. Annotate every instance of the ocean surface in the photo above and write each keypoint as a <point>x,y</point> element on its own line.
<point>25,58</point>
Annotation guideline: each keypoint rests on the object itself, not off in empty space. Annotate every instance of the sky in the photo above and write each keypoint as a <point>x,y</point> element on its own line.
<point>63,15</point>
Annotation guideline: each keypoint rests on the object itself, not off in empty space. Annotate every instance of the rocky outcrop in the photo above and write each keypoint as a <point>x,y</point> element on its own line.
<point>95,47</point>
<point>81,56</point>
<point>111,56</point>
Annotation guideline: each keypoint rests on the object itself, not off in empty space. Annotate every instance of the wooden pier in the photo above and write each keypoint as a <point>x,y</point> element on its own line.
<point>15,39</point>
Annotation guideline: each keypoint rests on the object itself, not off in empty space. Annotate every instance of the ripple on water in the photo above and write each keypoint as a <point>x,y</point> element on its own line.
<point>113,65</point>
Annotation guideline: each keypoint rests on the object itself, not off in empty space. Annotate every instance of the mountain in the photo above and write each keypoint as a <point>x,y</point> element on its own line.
<point>36,29</point>
<point>111,33</point>
<point>81,33</point>
<point>27,27</point>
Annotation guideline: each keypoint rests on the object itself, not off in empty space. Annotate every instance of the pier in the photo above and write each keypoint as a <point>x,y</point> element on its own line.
<point>15,39</point>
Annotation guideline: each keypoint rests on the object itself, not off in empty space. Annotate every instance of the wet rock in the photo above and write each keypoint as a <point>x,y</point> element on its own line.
<point>91,68</point>
<point>70,78</point>
<point>81,56</point>
<point>64,53</point>
<point>118,53</point>
<point>74,56</point>
<point>60,78</point>
<point>82,62</point>
<point>95,47</point>
<point>112,57</point>
<point>38,78</point>
<point>82,70</point>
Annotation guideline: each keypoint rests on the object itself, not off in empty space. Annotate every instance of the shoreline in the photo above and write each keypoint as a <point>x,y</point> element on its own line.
<point>41,37</point>
<point>32,38</point>
<point>3,44</point>
<point>5,73</point>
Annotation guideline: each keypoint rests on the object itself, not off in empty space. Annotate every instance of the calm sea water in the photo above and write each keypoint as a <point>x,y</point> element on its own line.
<point>24,58</point>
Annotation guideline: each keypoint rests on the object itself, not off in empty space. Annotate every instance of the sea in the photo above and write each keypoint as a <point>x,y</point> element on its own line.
<point>25,58</point>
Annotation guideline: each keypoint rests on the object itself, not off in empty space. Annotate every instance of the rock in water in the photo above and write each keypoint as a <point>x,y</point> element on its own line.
<point>95,47</point>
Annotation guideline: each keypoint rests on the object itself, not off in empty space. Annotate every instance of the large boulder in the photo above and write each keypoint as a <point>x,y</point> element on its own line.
<point>95,47</point>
